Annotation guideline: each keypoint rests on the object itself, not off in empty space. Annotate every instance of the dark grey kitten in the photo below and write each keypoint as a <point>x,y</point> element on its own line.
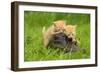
<point>61,41</point>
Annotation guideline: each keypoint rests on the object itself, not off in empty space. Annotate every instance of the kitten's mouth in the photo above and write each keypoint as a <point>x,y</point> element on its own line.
<point>69,39</point>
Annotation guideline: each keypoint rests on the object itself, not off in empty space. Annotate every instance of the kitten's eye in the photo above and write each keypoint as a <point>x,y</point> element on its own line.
<point>57,30</point>
<point>63,30</point>
<point>72,34</point>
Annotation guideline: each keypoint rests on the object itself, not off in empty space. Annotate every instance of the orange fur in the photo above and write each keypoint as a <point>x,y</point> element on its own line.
<point>70,31</point>
<point>60,24</point>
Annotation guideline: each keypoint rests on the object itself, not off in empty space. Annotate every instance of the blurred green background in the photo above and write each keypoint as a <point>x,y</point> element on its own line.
<point>33,43</point>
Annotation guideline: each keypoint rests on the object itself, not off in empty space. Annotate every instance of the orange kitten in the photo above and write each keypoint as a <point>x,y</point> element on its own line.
<point>70,31</point>
<point>59,25</point>
<point>56,27</point>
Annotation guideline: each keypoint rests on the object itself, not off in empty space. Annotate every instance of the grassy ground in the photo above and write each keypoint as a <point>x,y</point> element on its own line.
<point>34,22</point>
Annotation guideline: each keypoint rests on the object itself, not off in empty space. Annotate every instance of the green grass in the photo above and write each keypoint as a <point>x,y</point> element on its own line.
<point>34,22</point>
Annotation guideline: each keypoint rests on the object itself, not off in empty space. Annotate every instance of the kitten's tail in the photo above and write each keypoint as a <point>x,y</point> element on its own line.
<point>43,30</point>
